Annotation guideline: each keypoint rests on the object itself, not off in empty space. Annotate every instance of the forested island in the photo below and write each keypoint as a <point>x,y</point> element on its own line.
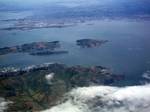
<point>49,48</point>
<point>90,43</point>
<point>35,48</point>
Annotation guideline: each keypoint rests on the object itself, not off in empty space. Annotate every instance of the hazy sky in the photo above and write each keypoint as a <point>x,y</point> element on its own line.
<point>50,1</point>
<point>74,3</point>
<point>60,2</point>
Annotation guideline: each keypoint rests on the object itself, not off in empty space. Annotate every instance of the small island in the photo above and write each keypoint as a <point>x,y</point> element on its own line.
<point>90,43</point>
<point>35,48</point>
<point>49,52</point>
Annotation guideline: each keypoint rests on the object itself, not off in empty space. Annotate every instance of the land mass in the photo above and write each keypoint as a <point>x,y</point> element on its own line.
<point>23,24</point>
<point>35,48</point>
<point>90,43</point>
<point>40,87</point>
<point>49,48</point>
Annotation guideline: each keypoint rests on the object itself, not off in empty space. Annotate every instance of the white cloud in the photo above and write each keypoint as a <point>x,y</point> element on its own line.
<point>146,75</point>
<point>106,99</point>
<point>49,77</point>
<point>3,104</point>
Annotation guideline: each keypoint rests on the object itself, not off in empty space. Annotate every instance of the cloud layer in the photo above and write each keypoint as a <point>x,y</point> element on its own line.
<point>106,99</point>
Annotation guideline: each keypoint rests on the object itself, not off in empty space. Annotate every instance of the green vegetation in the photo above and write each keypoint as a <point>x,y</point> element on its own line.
<point>31,91</point>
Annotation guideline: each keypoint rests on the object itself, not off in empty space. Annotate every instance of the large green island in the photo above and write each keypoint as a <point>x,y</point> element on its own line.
<point>40,87</point>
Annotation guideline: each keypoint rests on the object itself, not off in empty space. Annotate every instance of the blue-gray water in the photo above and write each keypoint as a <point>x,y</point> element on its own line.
<point>127,51</point>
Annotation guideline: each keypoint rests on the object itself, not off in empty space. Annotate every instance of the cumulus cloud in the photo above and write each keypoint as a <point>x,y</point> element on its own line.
<point>3,104</point>
<point>49,77</point>
<point>106,99</point>
<point>146,75</point>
